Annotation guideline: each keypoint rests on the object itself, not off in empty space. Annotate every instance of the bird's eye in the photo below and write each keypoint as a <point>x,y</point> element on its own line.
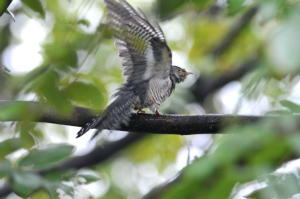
<point>178,70</point>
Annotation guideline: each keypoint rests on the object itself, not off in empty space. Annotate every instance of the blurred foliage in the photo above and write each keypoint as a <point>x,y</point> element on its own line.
<point>46,157</point>
<point>165,8</point>
<point>80,66</point>
<point>234,6</point>
<point>279,186</point>
<point>152,147</point>
<point>35,5</point>
<point>247,153</point>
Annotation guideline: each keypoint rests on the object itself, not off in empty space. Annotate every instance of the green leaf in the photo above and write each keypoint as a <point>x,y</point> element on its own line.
<point>46,85</point>
<point>5,168</point>
<point>234,6</point>
<point>278,112</point>
<point>27,81</point>
<point>84,22</point>
<point>25,183</point>
<point>279,186</point>
<point>47,157</point>
<point>41,194</point>
<point>69,190</point>
<point>12,111</point>
<point>61,55</point>
<point>9,146</point>
<point>294,108</point>
<point>89,178</point>
<point>84,94</point>
<point>36,6</point>
<point>25,136</point>
<point>202,4</point>
<point>54,180</point>
<point>168,7</point>
<point>4,5</point>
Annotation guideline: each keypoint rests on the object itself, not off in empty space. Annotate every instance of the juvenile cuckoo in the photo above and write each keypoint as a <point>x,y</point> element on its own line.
<point>147,67</point>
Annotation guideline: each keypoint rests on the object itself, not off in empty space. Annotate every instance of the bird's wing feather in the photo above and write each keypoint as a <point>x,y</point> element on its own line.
<point>141,46</point>
<point>117,113</point>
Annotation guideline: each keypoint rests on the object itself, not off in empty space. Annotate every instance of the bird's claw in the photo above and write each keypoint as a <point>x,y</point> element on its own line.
<point>140,111</point>
<point>158,113</point>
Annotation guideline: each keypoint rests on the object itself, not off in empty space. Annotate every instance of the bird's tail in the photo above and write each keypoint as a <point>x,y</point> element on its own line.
<point>117,113</point>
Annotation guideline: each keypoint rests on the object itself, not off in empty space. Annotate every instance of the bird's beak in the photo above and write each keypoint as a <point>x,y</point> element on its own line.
<point>187,73</point>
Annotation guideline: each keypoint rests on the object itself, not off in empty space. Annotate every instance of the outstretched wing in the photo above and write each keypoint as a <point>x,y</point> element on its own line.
<point>141,46</point>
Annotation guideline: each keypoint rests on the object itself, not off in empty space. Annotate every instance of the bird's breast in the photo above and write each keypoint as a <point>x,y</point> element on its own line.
<point>158,90</point>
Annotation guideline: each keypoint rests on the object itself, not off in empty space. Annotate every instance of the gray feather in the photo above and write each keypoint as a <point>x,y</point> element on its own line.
<point>159,31</point>
<point>124,53</point>
<point>117,113</point>
<point>136,36</point>
<point>142,14</point>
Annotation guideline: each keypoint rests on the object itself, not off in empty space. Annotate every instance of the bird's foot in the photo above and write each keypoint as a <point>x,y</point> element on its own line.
<point>158,113</point>
<point>140,111</point>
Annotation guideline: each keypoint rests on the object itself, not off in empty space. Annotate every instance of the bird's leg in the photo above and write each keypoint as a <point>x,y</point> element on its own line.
<point>155,109</point>
<point>140,111</point>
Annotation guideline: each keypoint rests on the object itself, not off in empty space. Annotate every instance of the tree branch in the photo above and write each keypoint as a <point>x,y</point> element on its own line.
<point>242,22</point>
<point>100,153</point>
<point>206,85</point>
<point>142,123</point>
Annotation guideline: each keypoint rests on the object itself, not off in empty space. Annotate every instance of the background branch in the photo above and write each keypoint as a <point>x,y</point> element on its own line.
<point>227,40</point>
<point>206,85</point>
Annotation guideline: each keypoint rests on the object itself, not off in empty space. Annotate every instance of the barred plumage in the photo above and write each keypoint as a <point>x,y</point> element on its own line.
<point>147,67</point>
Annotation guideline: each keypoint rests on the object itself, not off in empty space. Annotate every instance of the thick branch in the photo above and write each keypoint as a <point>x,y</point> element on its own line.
<point>143,123</point>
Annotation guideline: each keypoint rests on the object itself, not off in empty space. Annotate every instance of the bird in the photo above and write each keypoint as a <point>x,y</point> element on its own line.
<point>150,77</point>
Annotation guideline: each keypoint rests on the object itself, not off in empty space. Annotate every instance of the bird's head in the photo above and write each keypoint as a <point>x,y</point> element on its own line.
<point>179,74</point>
